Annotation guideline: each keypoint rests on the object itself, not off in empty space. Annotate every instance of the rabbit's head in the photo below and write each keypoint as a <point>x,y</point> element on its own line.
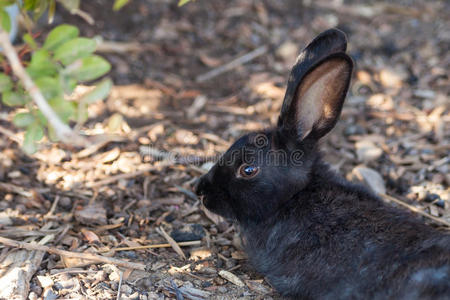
<point>262,170</point>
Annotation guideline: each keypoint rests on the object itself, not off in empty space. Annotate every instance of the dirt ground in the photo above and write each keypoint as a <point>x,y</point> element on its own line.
<point>127,190</point>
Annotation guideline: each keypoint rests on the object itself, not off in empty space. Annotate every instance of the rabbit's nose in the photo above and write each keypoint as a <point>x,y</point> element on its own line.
<point>200,184</point>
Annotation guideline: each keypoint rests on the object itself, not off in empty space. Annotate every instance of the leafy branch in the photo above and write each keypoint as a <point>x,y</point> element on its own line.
<point>41,85</point>
<point>34,132</point>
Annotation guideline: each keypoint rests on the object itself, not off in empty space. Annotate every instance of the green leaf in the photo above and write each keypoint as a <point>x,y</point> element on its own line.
<point>30,4</point>
<point>68,84</point>
<point>49,87</point>
<point>41,65</point>
<point>23,119</point>
<point>52,134</point>
<point>4,3</point>
<point>91,67</point>
<point>118,4</point>
<point>100,92</point>
<point>59,35</point>
<point>74,49</point>
<point>34,133</point>
<point>6,83</point>
<point>66,110</point>
<point>30,41</point>
<point>11,98</point>
<point>5,20</point>
<point>183,2</point>
<point>37,7</point>
<point>70,5</point>
<point>40,116</point>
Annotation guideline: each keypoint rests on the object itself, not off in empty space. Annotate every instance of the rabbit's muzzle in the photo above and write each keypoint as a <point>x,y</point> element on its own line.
<point>212,196</point>
<point>201,186</point>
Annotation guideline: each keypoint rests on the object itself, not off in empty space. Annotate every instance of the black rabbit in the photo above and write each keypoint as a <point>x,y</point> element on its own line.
<point>310,232</point>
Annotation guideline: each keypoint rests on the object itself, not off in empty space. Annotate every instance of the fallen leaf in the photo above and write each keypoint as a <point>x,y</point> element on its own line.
<point>231,278</point>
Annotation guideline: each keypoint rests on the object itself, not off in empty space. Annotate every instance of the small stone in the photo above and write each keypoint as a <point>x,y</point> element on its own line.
<point>287,51</point>
<point>381,102</point>
<point>14,174</point>
<point>364,77</point>
<point>193,232</point>
<point>424,94</point>
<point>222,289</point>
<point>92,214</point>
<point>45,281</point>
<point>434,211</point>
<point>5,219</point>
<point>390,78</point>
<point>367,151</point>
<point>420,191</point>
<point>432,197</point>
<point>65,202</point>
<point>440,203</point>
<point>50,295</point>
<point>32,296</point>
<point>186,137</point>
<point>371,178</point>
<point>143,203</point>
<point>126,289</point>
<point>354,129</point>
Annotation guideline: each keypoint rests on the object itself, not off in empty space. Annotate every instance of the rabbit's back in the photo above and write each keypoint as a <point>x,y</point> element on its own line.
<point>342,242</point>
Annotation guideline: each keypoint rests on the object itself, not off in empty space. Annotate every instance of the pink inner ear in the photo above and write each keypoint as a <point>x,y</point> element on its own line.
<point>319,95</point>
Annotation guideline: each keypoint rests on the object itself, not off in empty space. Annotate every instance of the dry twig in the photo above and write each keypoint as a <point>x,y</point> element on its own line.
<point>120,285</point>
<point>86,256</point>
<point>415,209</point>
<point>8,133</point>
<point>120,176</point>
<point>12,188</point>
<point>233,64</point>
<point>171,241</point>
<point>120,47</point>
<point>181,244</point>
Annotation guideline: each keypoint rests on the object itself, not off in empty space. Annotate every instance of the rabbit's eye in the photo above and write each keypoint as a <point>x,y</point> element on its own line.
<point>247,171</point>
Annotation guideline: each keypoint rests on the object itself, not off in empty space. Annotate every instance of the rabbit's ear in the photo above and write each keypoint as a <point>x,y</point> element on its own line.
<point>317,87</point>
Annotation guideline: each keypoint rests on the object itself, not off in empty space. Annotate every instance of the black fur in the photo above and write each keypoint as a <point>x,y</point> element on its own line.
<point>310,232</point>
